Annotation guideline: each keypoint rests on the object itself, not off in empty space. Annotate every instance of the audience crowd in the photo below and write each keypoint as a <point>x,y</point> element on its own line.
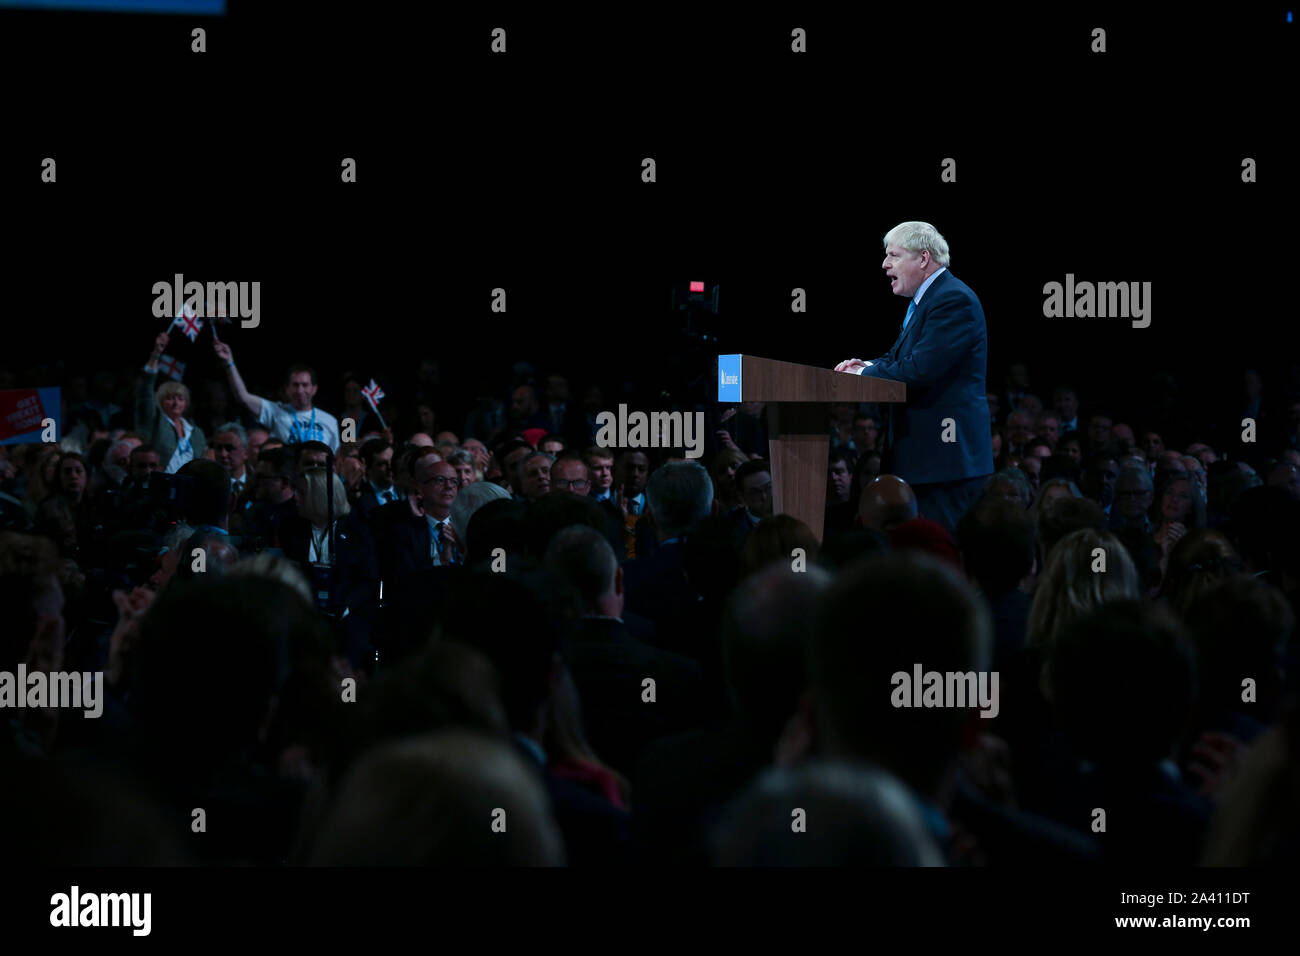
<point>365,638</point>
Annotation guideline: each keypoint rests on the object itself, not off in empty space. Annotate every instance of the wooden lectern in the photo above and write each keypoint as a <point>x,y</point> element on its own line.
<point>798,401</point>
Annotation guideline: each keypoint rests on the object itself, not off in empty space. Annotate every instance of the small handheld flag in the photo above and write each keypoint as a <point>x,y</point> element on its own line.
<point>168,365</point>
<point>374,395</point>
<point>189,322</point>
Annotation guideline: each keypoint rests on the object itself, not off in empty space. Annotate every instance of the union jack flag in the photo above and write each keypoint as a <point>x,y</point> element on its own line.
<point>189,322</point>
<point>171,368</point>
<point>374,394</point>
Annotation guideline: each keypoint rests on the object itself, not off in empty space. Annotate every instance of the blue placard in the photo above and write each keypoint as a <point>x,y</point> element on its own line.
<point>728,378</point>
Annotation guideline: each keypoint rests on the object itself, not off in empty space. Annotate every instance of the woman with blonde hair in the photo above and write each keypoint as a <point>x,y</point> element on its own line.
<point>42,468</point>
<point>568,753</point>
<point>1076,581</point>
<point>313,505</point>
<point>1073,584</point>
<point>160,416</point>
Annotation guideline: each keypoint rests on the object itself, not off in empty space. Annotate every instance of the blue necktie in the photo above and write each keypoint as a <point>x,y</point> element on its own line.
<point>908,318</point>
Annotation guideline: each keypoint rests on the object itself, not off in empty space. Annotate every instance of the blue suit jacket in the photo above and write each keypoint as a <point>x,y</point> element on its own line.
<point>942,356</point>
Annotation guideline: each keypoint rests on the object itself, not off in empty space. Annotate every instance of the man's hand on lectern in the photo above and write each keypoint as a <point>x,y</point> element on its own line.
<point>851,366</point>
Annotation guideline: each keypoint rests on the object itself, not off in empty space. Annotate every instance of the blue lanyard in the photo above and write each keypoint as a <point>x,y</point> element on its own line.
<point>310,429</point>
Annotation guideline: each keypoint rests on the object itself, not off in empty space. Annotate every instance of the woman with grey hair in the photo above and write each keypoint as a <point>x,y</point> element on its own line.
<point>468,500</point>
<point>160,416</point>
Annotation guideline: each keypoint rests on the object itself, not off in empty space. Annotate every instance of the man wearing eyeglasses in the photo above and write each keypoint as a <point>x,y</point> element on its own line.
<point>570,473</point>
<point>438,486</point>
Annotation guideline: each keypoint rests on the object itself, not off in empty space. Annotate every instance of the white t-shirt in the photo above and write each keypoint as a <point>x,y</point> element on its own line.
<point>290,426</point>
<point>184,452</point>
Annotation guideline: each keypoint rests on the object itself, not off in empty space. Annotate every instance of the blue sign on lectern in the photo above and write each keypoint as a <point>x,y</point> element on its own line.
<point>728,378</point>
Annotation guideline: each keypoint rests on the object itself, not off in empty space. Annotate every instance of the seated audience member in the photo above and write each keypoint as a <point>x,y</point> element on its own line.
<point>496,524</point>
<point>1071,584</point>
<point>310,454</point>
<point>416,534</point>
<point>1123,687</point>
<point>600,466</point>
<point>200,740</point>
<point>841,507</point>
<point>923,534</point>
<point>508,455</point>
<point>1134,494</point>
<point>555,512</point>
<point>775,540</point>
<point>378,487</point>
<point>527,658</point>
<point>1241,627</point>
<point>535,475</point>
<point>608,665</point>
<point>1256,823</point>
<point>1063,517</point>
<point>680,495</point>
<point>683,782</point>
<point>1179,511</point>
<point>886,503</point>
<point>999,545</point>
<point>754,482</point>
<point>1057,468</point>
<point>463,462</point>
<point>1051,491</point>
<point>631,472</point>
<point>257,437</point>
<point>1071,445</point>
<point>1010,484</point>
<point>1099,482</point>
<point>569,473</point>
<point>923,747</point>
<point>723,473</point>
<point>1198,562</point>
<point>461,782</point>
<point>207,499</point>
<point>230,442</point>
<point>569,755</point>
<point>33,637</point>
<point>469,500</point>
<point>864,817</point>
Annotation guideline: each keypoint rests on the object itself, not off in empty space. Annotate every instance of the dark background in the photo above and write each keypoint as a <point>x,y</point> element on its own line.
<point>774,171</point>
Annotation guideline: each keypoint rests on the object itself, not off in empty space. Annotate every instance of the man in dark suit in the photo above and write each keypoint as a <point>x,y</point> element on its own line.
<point>940,441</point>
<point>377,488</point>
<point>609,666</point>
<point>404,540</point>
<point>680,496</point>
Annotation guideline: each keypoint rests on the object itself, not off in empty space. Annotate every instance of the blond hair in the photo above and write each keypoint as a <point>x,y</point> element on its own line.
<point>1069,587</point>
<point>315,506</point>
<point>168,389</point>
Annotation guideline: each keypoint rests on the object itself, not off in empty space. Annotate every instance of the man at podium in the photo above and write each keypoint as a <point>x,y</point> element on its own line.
<point>940,442</point>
